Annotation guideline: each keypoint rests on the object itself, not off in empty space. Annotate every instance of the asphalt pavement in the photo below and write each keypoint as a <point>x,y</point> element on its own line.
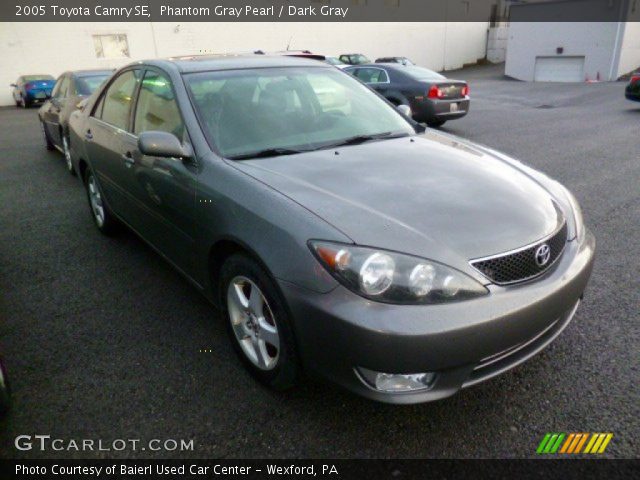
<point>103,340</point>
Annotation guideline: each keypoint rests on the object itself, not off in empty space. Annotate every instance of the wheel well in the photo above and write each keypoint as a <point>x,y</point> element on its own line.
<point>218,254</point>
<point>82,165</point>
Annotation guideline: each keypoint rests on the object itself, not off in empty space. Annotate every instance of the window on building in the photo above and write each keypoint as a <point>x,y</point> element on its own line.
<point>111,46</point>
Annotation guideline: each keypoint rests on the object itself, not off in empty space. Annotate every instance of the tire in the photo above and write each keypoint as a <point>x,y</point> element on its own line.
<point>436,123</point>
<point>25,103</point>
<point>5,391</point>
<point>254,328</point>
<point>67,153</point>
<point>102,216</point>
<point>47,139</point>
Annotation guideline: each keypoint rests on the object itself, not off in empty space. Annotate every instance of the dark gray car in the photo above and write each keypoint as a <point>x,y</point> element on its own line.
<point>70,89</point>
<point>338,237</point>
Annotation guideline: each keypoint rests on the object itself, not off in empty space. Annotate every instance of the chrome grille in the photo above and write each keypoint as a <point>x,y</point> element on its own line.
<point>521,265</point>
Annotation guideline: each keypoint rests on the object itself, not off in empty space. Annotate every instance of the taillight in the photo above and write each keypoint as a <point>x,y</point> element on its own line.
<point>465,90</point>
<point>635,78</point>
<point>435,92</point>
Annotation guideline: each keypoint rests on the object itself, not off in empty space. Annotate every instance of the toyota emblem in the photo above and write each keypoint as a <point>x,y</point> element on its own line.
<point>543,254</point>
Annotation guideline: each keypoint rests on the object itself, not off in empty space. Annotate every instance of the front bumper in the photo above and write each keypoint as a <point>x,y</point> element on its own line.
<point>464,342</point>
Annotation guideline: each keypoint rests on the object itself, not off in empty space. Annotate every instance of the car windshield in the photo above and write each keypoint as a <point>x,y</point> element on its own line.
<point>333,61</point>
<point>359,59</point>
<point>420,73</point>
<point>254,111</point>
<point>86,85</point>
<point>35,78</point>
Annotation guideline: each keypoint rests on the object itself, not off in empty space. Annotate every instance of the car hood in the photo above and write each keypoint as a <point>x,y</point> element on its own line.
<point>433,195</point>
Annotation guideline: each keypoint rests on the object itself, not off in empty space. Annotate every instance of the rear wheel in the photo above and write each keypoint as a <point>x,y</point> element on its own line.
<point>436,123</point>
<point>67,153</point>
<point>47,139</point>
<point>102,216</point>
<point>258,322</point>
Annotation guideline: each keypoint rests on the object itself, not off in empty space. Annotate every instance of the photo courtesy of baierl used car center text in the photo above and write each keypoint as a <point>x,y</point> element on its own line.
<point>350,239</point>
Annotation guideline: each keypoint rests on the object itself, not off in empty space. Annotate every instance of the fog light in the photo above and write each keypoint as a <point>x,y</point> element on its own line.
<point>397,382</point>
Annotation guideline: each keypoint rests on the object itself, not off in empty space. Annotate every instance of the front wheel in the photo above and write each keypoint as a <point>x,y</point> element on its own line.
<point>102,216</point>
<point>258,322</point>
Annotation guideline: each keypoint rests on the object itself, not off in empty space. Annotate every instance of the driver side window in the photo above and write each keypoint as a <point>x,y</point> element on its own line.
<point>157,108</point>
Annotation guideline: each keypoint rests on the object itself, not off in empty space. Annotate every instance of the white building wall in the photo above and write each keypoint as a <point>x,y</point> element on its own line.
<point>630,48</point>
<point>594,40</point>
<point>56,47</point>
<point>497,44</point>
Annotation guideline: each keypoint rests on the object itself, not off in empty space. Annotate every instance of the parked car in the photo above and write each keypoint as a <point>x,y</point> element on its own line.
<point>30,89</point>
<point>353,58</point>
<point>632,92</point>
<point>433,98</point>
<point>400,60</point>
<point>294,53</point>
<point>336,235</point>
<point>5,391</point>
<point>69,90</point>
<point>336,62</point>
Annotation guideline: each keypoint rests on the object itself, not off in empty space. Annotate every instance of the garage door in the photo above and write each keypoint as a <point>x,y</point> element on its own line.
<point>559,69</point>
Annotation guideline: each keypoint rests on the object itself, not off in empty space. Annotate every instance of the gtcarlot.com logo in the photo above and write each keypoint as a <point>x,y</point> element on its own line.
<point>568,443</point>
<point>45,442</point>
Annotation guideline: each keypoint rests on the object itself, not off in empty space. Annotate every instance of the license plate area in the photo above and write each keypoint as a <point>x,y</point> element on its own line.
<point>454,107</point>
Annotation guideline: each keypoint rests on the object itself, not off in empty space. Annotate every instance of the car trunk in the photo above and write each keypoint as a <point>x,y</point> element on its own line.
<point>451,90</point>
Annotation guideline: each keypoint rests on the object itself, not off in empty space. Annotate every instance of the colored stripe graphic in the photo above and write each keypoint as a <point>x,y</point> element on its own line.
<point>573,443</point>
<point>543,443</point>
<point>606,441</point>
<point>567,442</point>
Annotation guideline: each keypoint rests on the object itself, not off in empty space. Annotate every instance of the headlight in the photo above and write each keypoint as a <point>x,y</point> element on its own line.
<point>391,277</point>
<point>577,213</point>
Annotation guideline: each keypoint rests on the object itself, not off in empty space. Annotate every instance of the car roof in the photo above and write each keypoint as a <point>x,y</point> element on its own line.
<point>89,72</point>
<point>205,63</point>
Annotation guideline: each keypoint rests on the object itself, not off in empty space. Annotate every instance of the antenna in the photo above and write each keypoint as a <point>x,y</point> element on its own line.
<point>289,44</point>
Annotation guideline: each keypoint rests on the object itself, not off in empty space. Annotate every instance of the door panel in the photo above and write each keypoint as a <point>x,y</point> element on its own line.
<point>107,142</point>
<point>164,188</point>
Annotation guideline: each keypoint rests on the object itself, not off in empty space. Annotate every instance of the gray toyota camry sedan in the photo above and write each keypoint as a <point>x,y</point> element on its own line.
<point>338,237</point>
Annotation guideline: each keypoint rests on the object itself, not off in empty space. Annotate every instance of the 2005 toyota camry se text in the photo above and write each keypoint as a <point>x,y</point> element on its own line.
<point>338,237</point>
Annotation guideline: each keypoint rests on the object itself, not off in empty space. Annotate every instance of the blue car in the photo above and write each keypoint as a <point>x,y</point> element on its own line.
<point>32,89</point>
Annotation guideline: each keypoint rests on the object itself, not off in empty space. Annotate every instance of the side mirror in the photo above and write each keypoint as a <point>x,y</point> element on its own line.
<point>405,110</point>
<point>162,144</point>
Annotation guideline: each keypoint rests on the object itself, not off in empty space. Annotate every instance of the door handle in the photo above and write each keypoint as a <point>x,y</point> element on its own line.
<point>128,159</point>
<point>88,135</point>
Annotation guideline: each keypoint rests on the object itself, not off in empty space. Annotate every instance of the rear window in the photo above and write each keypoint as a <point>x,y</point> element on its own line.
<point>421,73</point>
<point>86,85</point>
<point>35,78</point>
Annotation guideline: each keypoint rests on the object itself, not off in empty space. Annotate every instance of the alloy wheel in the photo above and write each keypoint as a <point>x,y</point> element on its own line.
<point>96,200</point>
<point>253,323</point>
<point>67,152</point>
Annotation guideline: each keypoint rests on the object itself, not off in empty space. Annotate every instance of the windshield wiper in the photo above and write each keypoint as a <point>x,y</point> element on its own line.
<point>357,139</point>
<point>267,152</point>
